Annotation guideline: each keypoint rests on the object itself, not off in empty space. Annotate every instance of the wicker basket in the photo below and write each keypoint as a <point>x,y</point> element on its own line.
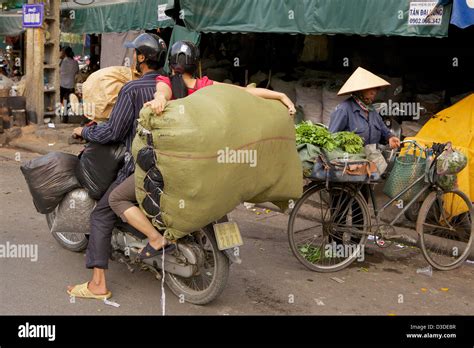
<point>406,171</point>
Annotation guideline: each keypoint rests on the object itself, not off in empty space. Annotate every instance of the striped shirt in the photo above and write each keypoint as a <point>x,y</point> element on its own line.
<point>121,126</point>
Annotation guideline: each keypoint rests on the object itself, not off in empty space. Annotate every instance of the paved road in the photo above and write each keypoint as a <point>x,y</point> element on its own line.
<point>269,281</point>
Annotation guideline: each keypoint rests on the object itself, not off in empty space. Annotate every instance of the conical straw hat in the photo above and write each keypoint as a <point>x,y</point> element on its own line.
<point>362,79</point>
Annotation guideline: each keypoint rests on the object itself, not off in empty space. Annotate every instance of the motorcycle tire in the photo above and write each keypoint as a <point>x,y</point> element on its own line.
<point>76,242</point>
<point>219,280</point>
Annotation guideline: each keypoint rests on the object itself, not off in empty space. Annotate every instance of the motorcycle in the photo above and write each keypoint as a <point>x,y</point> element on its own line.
<point>196,271</point>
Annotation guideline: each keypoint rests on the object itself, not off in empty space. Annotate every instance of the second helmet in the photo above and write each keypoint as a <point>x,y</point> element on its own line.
<point>150,45</point>
<point>188,50</point>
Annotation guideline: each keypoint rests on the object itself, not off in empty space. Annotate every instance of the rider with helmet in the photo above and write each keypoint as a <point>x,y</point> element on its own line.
<point>149,57</point>
<point>183,61</point>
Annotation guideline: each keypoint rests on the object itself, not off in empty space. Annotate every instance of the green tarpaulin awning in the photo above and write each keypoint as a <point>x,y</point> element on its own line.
<point>10,23</point>
<point>114,16</point>
<point>360,17</point>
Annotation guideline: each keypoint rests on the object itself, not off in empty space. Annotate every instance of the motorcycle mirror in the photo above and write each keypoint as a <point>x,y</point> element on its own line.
<point>398,90</point>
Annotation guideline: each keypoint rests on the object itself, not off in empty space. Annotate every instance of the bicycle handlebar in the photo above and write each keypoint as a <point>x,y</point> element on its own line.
<point>413,143</point>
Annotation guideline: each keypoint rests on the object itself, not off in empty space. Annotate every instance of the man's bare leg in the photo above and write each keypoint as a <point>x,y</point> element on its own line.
<point>137,219</point>
<point>97,285</point>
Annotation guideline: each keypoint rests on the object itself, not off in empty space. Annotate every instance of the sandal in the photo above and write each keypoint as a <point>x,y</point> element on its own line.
<point>82,291</point>
<point>148,251</point>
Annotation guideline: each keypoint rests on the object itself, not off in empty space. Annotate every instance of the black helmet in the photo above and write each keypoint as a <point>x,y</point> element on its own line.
<point>190,52</point>
<point>150,45</point>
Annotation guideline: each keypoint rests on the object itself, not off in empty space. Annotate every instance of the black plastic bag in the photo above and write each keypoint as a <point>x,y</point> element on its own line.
<point>151,206</point>
<point>98,167</point>
<point>153,185</point>
<point>49,178</point>
<point>154,182</point>
<point>146,158</point>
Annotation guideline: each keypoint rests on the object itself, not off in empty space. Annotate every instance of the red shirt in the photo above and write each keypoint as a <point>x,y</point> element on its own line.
<point>200,83</point>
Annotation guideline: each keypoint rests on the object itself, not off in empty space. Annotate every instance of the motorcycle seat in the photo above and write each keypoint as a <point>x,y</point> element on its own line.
<point>124,227</point>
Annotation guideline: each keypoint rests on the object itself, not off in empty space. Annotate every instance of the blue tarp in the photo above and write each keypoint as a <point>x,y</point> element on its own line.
<point>463,13</point>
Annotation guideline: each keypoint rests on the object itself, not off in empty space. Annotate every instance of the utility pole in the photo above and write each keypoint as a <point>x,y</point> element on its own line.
<point>42,60</point>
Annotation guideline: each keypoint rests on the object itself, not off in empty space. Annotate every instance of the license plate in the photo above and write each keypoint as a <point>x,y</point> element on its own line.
<point>227,235</point>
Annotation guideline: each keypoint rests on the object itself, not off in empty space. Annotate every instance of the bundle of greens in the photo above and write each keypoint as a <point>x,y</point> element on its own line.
<point>451,162</point>
<point>349,142</point>
<point>309,133</point>
<point>448,182</point>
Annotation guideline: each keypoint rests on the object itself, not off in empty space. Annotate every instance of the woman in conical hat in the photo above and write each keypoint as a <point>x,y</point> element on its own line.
<point>357,114</point>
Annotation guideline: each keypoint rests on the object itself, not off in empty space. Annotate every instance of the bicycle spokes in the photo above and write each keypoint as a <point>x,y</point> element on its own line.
<point>446,229</point>
<point>327,228</point>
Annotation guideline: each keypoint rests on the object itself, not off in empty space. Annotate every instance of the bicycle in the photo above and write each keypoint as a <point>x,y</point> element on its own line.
<point>330,224</point>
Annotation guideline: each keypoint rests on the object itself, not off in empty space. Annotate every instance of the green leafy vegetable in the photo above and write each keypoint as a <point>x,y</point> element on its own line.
<point>349,142</point>
<point>451,162</point>
<point>309,133</point>
<point>447,182</point>
<point>311,253</point>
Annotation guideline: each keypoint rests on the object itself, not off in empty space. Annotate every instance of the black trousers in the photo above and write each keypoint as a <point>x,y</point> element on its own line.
<point>64,93</point>
<point>103,220</point>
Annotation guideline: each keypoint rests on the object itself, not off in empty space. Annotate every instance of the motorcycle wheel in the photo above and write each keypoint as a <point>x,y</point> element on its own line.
<point>211,278</point>
<point>76,242</point>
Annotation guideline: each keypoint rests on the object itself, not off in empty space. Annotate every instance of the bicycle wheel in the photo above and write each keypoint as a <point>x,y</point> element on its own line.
<point>328,228</point>
<point>445,229</point>
<point>412,213</point>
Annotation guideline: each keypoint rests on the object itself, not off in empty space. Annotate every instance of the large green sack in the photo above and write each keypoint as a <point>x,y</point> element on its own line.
<point>192,138</point>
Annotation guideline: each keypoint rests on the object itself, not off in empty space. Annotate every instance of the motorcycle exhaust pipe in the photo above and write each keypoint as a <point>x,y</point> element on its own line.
<point>174,265</point>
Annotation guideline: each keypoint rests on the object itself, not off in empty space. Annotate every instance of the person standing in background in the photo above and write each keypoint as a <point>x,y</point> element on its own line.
<point>68,70</point>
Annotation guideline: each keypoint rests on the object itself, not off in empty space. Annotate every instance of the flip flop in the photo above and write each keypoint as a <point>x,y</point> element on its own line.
<point>82,291</point>
<point>148,251</point>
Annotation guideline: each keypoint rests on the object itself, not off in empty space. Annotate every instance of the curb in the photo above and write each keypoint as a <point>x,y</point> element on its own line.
<point>44,150</point>
<point>29,148</point>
